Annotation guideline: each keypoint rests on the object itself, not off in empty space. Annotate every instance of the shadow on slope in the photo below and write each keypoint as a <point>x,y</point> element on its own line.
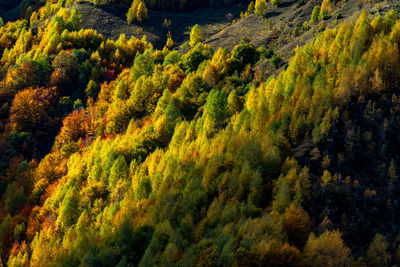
<point>110,21</point>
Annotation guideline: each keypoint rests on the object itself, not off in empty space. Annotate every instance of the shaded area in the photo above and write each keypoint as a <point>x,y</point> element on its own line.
<point>9,9</point>
<point>110,21</point>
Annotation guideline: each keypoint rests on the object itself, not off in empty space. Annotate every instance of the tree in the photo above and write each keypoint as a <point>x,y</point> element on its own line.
<point>15,198</point>
<point>29,110</point>
<point>66,71</point>
<point>144,188</point>
<point>143,65</point>
<point>250,8</point>
<point>167,23</point>
<point>276,2</point>
<point>260,6</point>
<point>131,15</point>
<point>21,77</point>
<point>297,225</point>
<point>377,254</point>
<point>73,128</point>
<point>192,59</point>
<point>243,54</point>
<point>326,9</point>
<point>119,170</point>
<point>196,36</point>
<point>315,14</point>
<point>216,106</point>
<point>74,20</point>
<point>141,14</point>
<point>67,62</point>
<point>234,104</point>
<point>138,11</point>
<point>92,89</point>
<point>69,211</point>
<point>169,42</point>
<point>326,250</point>
<point>210,75</point>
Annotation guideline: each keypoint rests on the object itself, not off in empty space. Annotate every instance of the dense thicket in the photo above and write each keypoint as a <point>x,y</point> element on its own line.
<point>165,158</point>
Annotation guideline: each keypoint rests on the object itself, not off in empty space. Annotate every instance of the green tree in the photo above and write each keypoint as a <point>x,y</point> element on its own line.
<point>15,198</point>
<point>74,20</point>
<point>119,171</point>
<point>276,2</point>
<point>196,36</point>
<point>315,14</point>
<point>69,211</point>
<point>143,65</point>
<point>144,188</point>
<point>216,105</point>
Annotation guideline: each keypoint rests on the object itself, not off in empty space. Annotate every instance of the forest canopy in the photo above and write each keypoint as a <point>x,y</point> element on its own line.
<point>114,153</point>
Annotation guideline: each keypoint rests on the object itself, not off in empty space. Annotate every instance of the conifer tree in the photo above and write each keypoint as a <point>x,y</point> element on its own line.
<point>69,211</point>
<point>315,14</point>
<point>169,42</point>
<point>377,254</point>
<point>326,9</point>
<point>119,170</point>
<point>141,14</point>
<point>131,15</point>
<point>137,11</point>
<point>260,6</point>
<point>196,36</point>
<point>326,250</point>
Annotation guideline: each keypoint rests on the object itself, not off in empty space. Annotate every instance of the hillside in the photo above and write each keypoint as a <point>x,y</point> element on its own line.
<point>259,138</point>
<point>110,21</point>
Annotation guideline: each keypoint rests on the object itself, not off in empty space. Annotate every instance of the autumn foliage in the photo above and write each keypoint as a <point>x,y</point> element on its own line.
<point>160,158</point>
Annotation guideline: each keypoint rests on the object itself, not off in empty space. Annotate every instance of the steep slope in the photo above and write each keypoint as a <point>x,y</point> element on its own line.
<point>110,21</point>
<point>191,158</point>
<point>186,159</point>
<point>280,28</point>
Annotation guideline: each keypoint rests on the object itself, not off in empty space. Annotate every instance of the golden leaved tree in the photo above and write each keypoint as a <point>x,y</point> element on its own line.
<point>137,12</point>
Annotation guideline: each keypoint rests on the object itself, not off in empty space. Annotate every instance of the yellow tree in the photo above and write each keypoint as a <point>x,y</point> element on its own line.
<point>260,6</point>
<point>169,42</point>
<point>138,11</point>
<point>326,250</point>
<point>326,9</point>
<point>141,14</point>
<point>131,15</point>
